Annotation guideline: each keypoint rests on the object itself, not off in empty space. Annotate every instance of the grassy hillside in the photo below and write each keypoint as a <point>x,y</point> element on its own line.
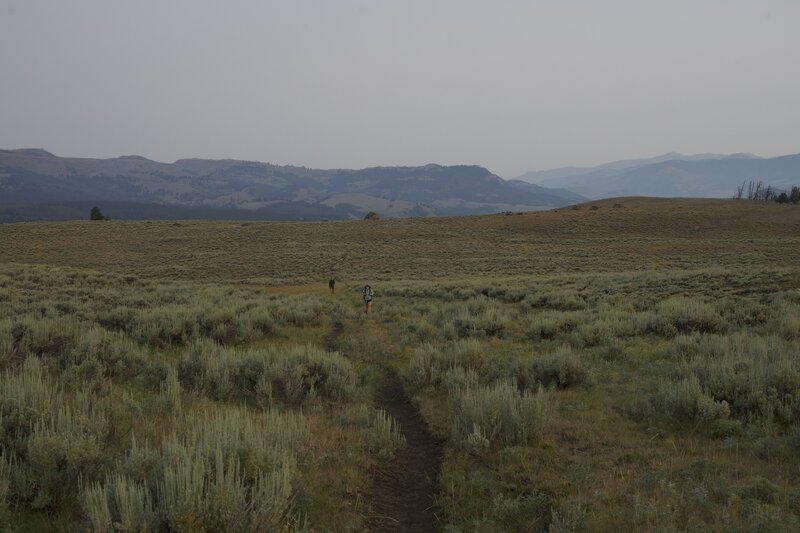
<point>640,234</point>
<point>134,211</point>
<point>626,365</point>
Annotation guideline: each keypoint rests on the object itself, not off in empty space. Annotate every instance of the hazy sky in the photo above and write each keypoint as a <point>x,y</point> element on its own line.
<point>511,85</point>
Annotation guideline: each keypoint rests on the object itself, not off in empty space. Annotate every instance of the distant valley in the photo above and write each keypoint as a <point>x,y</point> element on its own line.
<point>37,185</point>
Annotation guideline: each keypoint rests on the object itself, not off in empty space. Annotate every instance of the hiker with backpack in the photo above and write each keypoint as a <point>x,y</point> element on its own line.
<point>332,285</point>
<point>368,294</point>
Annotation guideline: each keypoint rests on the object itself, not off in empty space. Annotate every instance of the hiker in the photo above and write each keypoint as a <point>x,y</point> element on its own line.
<point>332,284</point>
<point>368,298</point>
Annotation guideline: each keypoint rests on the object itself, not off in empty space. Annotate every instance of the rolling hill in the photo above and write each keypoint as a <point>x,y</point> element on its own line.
<point>621,234</point>
<point>37,184</point>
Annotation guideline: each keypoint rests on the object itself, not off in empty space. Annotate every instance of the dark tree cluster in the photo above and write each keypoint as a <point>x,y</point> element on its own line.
<point>792,198</point>
<point>96,214</point>
<point>756,190</point>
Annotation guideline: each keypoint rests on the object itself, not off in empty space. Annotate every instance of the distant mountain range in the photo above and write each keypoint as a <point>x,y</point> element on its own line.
<point>672,175</point>
<point>36,185</point>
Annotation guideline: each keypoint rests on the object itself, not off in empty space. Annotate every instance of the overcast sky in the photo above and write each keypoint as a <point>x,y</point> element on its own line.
<point>510,85</point>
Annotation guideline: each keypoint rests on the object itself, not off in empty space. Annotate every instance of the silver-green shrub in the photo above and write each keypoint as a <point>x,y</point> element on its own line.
<point>119,355</point>
<point>685,401</point>
<point>758,377</point>
<point>5,477</point>
<point>385,436</point>
<point>786,321</point>
<point>58,438</point>
<point>26,396</point>
<point>429,364</point>
<point>499,412</point>
<point>292,374</point>
<point>7,344</point>
<point>477,317</point>
<point>228,470</point>
<point>44,335</point>
<point>561,300</point>
<point>550,324</point>
<point>562,368</point>
<point>121,504</point>
<point>63,449</point>
<point>683,315</point>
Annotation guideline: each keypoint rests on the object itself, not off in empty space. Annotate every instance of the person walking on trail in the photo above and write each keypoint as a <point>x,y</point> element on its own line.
<point>368,294</point>
<point>332,284</point>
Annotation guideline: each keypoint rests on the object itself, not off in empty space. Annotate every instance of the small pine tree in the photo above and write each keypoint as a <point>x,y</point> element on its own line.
<point>96,214</point>
<point>794,196</point>
<point>782,198</point>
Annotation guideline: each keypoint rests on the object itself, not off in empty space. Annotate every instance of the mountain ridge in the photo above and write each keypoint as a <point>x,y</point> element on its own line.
<point>540,176</point>
<point>699,176</point>
<point>37,177</point>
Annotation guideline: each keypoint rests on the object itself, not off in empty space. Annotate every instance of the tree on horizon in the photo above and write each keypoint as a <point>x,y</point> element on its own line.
<point>96,214</point>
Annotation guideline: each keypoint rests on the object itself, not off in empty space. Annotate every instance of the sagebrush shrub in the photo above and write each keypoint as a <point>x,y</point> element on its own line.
<point>5,477</point>
<point>120,504</point>
<point>44,336</point>
<point>550,324</point>
<point>685,401</point>
<point>294,374</point>
<point>458,377</point>
<point>429,364</point>
<point>684,315</point>
<point>56,446</point>
<point>593,334</point>
<point>500,412</point>
<point>385,436</point>
<point>26,396</point>
<point>563,300</point>
<point>562,368</point>
<point>786,322</point>
<point>120,356</point>
<point>7,345</point>
<point>477,317</point>
<point>758,377</point>
<point>528,512</point>
<point>225,471</point>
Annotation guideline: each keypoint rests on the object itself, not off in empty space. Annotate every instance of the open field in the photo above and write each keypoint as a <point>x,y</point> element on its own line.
<point>642,234</point>
<point>629,366</point>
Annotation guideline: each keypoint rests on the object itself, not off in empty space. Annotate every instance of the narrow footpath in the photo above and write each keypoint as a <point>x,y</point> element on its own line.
<point>403,492</point>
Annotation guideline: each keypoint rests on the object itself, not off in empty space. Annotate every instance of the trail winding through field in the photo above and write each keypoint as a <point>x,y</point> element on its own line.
<point>402,492</point>
<point>404,489</point>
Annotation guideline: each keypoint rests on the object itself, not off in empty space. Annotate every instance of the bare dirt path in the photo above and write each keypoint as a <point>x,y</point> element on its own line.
<point>333,334</point>
<point>402,493</point>
<point>404,488</point>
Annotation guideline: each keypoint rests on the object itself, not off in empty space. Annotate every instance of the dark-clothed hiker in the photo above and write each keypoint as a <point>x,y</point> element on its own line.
<point>332,284</point>
<point>368,294</point>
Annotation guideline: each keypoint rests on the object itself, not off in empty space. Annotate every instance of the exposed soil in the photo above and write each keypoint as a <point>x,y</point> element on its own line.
<point>402,495</point>
<point>333,334</point>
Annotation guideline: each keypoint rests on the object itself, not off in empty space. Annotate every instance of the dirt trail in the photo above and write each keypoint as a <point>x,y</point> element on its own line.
<point>333,334</point>
<point>403,489</point>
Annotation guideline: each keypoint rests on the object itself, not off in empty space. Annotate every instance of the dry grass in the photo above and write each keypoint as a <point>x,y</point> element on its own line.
<point>646,234</point>
<point>664,335</point>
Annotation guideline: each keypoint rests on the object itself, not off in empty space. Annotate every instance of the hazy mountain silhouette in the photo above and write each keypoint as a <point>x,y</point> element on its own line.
<point>35,177</point>
<point>673,175</point>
